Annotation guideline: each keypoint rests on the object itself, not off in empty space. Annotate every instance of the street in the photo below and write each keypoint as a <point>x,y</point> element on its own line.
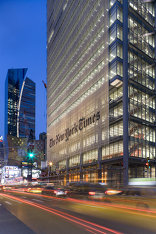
<point>36,213</point>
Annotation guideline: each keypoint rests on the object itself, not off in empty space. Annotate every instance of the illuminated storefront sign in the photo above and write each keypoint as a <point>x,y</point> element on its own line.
<point>1,139</point>
<point>83,123</point>
<point>35,173</point>
<point>11,171</point>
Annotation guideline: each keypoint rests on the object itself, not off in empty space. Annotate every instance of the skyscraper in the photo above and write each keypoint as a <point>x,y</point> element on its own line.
<point>101,87</point>
<point>19,104</point>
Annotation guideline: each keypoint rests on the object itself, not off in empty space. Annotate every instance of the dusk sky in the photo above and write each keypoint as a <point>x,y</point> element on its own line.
<point>23,45</point>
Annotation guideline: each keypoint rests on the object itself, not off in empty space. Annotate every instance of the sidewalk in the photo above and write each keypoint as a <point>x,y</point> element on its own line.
<point>9,224</point>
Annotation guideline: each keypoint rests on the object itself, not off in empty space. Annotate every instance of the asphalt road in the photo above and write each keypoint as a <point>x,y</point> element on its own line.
<point>42,214</point>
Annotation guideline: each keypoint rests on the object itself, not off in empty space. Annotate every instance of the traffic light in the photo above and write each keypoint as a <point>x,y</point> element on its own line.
<point>147,163</point>
<point>31,155</point>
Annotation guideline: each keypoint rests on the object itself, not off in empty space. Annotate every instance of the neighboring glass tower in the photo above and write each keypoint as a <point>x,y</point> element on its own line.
<point>101,89</point>
<point>19,104</point>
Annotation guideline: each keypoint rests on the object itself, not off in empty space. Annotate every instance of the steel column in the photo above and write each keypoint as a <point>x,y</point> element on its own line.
<point>125,93</point>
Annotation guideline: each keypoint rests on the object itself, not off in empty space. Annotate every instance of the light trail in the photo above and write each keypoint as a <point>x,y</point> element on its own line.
<point>81,222</point>
<point>96,204</point>
<point>90,231</point>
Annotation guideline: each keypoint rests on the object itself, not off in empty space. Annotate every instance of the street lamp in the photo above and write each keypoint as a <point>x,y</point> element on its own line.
<point>50,164</point>
<point>49,168</point>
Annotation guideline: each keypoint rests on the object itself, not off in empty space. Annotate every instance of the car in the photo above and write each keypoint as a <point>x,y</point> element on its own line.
<point>34,189</point>
<point>85,190</point>
<point>60,192</point>
<point>57,191</point>
<point>138,197</point>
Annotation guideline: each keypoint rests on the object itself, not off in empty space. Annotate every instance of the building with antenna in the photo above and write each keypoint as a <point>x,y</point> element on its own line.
<point>101,89</point>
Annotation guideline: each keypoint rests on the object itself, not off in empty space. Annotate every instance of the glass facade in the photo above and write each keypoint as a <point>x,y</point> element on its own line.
<point>87,46</point>
<point>77,78</point>
<point>19,104</point>
<point>141,86</point>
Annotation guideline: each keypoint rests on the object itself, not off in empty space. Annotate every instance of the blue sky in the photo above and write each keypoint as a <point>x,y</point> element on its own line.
<point>23,45</point>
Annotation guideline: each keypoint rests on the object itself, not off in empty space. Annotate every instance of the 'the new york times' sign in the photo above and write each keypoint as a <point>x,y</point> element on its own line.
<point>83,123</point>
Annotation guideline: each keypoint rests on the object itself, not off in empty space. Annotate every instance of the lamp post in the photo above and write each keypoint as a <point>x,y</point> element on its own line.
<point>49,169</point>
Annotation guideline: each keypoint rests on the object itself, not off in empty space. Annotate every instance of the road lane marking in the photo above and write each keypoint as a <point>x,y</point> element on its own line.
<point>90,231</point>
<point>101,207</point>
<point>9,203</point>
<point>37,200</point>
<point>13,200</point>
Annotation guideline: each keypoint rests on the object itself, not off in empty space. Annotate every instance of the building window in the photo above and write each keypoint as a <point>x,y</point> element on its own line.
<point>62,164</point>
<point>116,69</point>
<point>116,130</point>
<point>90,156</point>
<point>116,50</point>
<point>112,150</point>
<point>116,14</point>
<point>116,94</point>
<point>74,161</point>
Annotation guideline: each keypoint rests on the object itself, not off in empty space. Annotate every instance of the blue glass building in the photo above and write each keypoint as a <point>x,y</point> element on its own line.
<point>19,104</point>
<point>101,89</point>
